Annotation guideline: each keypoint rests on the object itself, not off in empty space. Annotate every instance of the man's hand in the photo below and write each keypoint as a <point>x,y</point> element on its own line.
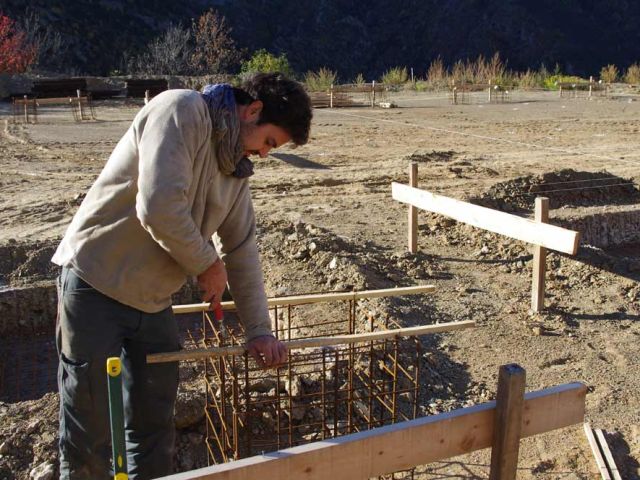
<point>212,283</point>
<point>267,351</point>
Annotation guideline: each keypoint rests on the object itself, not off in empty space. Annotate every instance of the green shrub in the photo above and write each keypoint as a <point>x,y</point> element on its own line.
<point>609,74</point>
<point>264,62</point>
<point>321,80</point>
<point>551,82</point>
<point>633,74</point>
<point>421,86</point>
<point>395,76</point>
<point>359,80</point>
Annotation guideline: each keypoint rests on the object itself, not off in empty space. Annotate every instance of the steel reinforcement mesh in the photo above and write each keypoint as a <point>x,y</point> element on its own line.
<point>319,393</point>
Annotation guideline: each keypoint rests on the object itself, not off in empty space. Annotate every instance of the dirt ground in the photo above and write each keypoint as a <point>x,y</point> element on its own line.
<point>337,189</point>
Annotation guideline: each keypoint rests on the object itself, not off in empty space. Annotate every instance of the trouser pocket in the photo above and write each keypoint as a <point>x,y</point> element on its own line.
<point>74,383</point>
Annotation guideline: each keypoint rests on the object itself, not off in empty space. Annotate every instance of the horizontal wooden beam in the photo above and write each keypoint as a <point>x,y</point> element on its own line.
<point>60,101</point>
<point>315,298</point>
<point>403,445</point>
<point>200,353</point>
<point>544,235</point>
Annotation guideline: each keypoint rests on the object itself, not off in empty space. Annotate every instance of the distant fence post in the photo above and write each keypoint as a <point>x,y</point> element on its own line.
<point>26,110</point>
<point>331,96</point>
<point>413,211</point>
<point>508,422</point>
<point>373,93</point>
<point>80,104</point>
<point>539,258</point>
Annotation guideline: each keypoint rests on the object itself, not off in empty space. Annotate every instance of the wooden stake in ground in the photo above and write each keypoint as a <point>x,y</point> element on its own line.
<point>373,93</point>
<point>413,211</point>
<point>508,423</point>
<point>539,258</point>
<point>26,110</point>
<point>79,95</point>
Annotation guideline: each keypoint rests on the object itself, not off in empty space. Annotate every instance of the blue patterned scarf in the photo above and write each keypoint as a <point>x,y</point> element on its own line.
<point>226,130</point>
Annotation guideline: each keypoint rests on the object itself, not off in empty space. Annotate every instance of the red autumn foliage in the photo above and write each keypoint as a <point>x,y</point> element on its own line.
<point>15,53</point>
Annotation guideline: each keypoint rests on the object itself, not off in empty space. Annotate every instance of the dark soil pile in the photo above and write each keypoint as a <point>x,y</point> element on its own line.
<point>564,188</point>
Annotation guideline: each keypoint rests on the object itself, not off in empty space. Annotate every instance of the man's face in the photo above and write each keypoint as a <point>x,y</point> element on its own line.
<point>259,139</point>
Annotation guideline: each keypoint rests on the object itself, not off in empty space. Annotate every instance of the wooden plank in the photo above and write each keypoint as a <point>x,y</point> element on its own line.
<point>315,298</point>
<point>549,236</point>
<point>507,424</point>
<point>200,353</point>
<point>413,211</point>
<point>604,448</point>
<point>402,445</point>
<point>602,466</point>
<point>541,215</point>
<point>60,101</point>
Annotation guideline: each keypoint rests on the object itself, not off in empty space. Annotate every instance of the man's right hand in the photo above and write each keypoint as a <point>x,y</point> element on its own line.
<point>212,282</point>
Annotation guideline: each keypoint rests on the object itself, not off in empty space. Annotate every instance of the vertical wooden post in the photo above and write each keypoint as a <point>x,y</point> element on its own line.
<point>539,258</point>
<point>489,91</point>
<point>508,422</point>
<point>455,95</point>
<point>26,110</point>
<point>560,91</point>
<point>373,93</point>
<point>413,211</point>
<point>331,96</point>
<point>80,104</point>
<point>146,97</point>
<point>412,80</point>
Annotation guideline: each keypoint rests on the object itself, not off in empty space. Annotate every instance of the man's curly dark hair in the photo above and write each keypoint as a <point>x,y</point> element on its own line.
<point>285,103</point>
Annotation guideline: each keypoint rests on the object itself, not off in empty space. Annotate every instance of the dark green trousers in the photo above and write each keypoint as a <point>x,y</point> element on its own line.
<point>92,327</point>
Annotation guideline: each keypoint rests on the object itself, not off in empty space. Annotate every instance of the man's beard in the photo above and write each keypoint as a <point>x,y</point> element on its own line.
<point>246,130</point>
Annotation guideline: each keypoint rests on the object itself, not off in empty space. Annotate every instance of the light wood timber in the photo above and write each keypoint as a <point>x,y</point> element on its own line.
<point>315,298</point>
<point>402,445</point>
<point>26,110</point>
<point>507,424</point>
<point>60,101</point>
<point>200,353</point>
<point>541,215</point>
<point>604,448</point>
<point>602,466</point>
<point>549,236</point>
<point>413,211</point>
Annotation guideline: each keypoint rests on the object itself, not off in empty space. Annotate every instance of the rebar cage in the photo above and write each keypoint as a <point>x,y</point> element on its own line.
<point>319,393</point>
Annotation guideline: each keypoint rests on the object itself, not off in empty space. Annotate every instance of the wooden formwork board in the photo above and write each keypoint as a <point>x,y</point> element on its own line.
<point>402,445</point>
<point>315,298</point>
<point>200,353</point>
<point>536,233</point>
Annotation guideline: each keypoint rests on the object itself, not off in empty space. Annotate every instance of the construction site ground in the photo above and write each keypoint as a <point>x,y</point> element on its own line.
<point>335,192</point>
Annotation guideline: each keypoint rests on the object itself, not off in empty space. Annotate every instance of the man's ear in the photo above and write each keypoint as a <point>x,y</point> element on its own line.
<point>252,111</point>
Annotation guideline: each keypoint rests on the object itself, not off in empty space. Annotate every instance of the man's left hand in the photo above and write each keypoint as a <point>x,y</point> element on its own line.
<point>267,351</point>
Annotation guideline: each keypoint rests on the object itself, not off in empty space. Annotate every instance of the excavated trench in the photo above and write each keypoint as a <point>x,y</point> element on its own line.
<point>604,208</point>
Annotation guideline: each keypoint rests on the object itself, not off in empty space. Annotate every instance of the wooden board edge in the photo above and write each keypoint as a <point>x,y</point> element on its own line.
<point>394,447</point>
<point>565,241</point>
